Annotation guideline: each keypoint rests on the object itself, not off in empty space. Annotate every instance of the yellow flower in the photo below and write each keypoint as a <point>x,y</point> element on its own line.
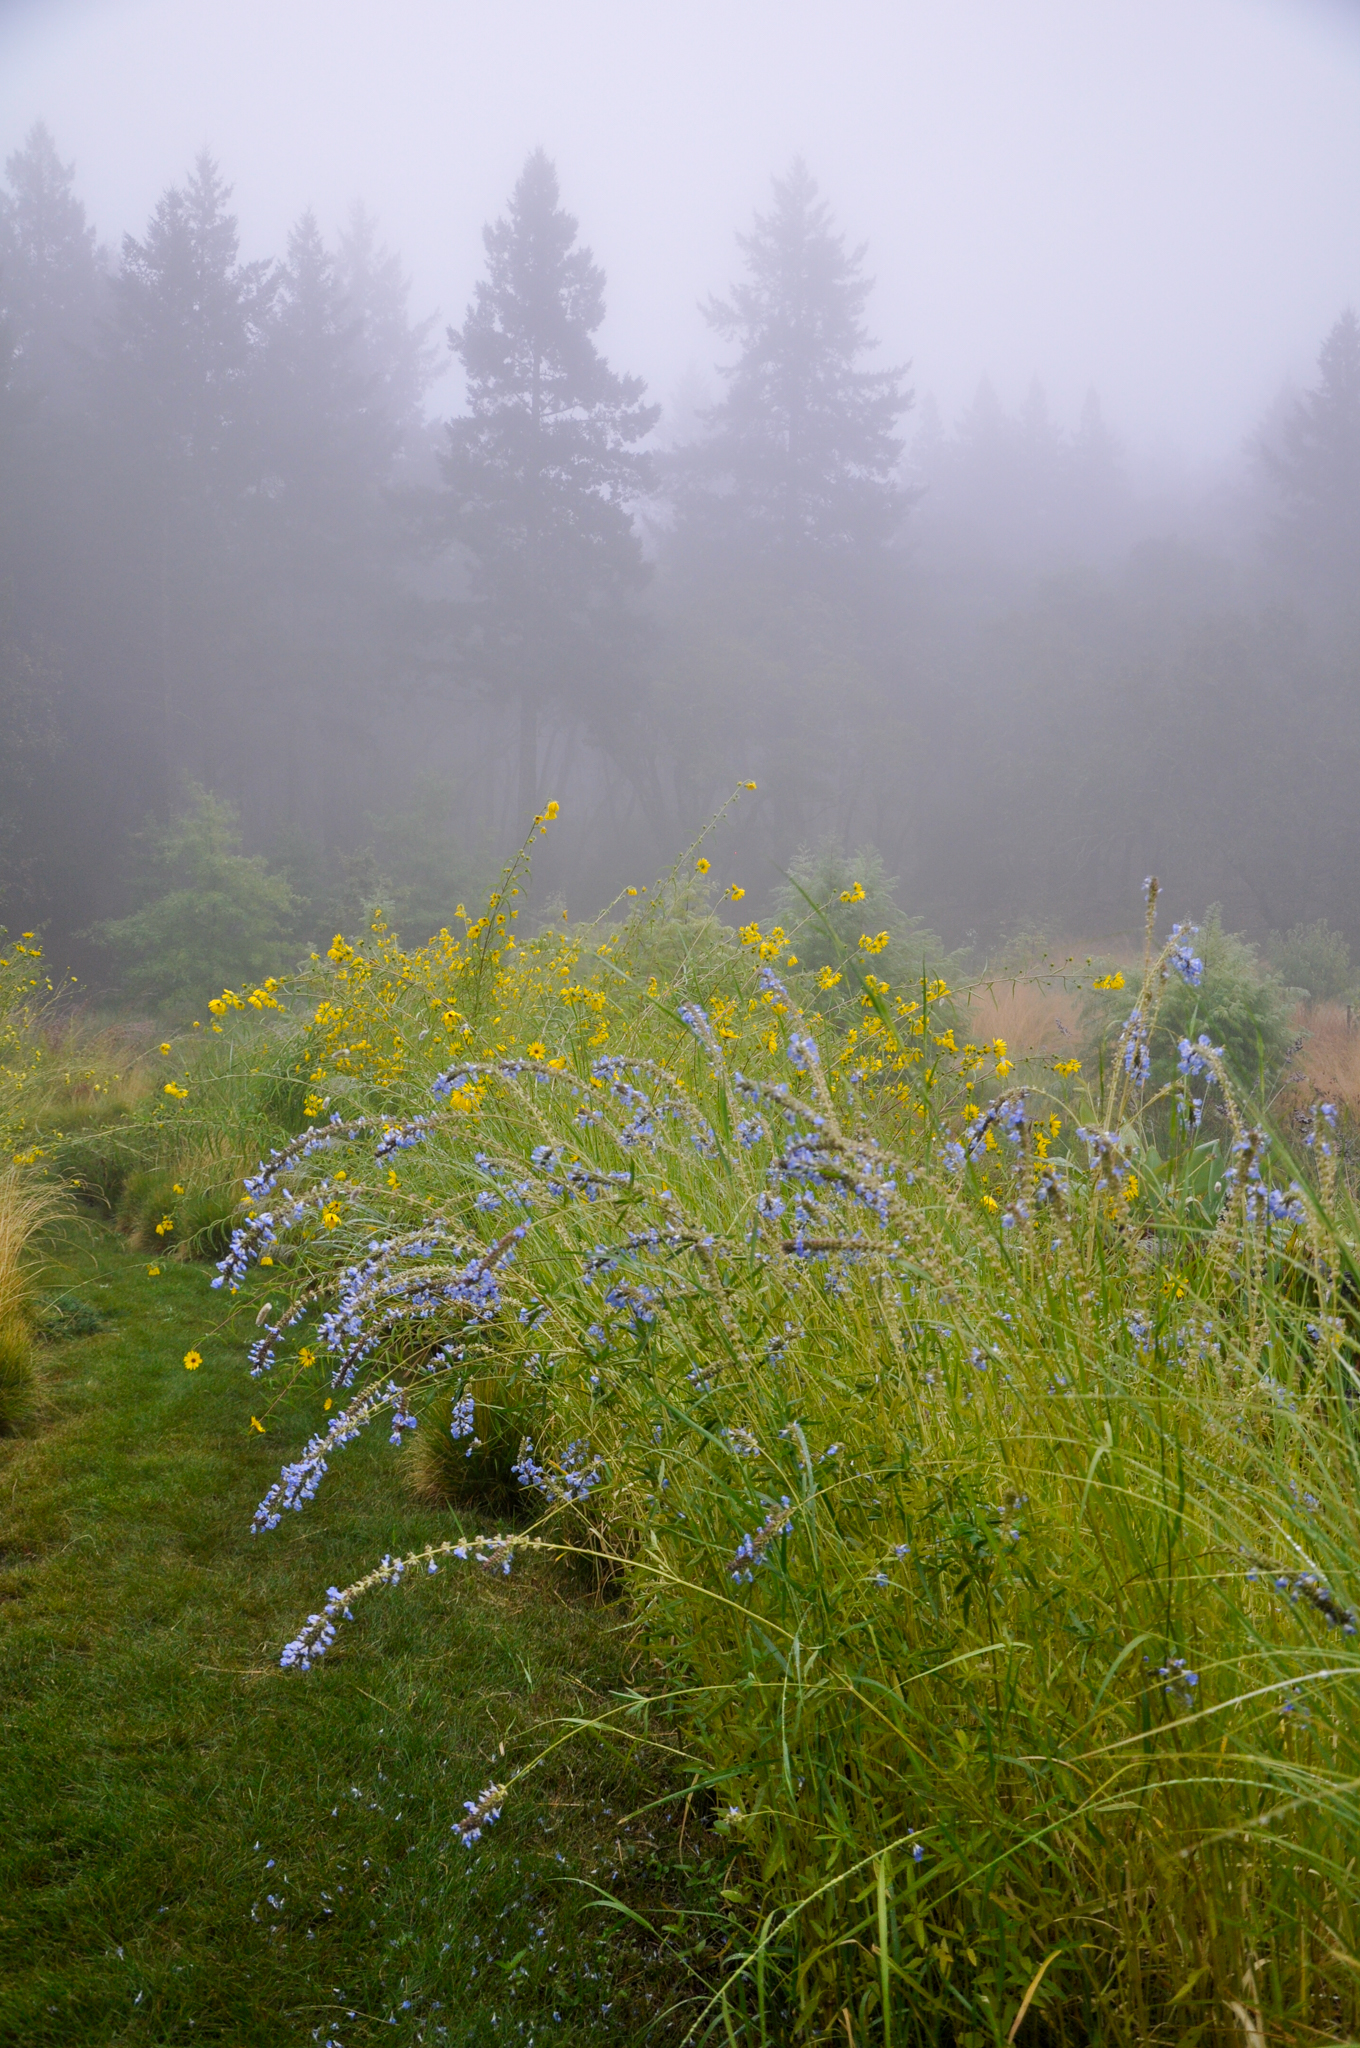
<point>314,1105</point>
<point>1115,980</point>
<point>855,895</point>
<point>166,1046</point>
<point>165,1226</point>
<point>256,1423</point>
<point>1067,1067</point>
<point>326,1403</point>
<point>736,893</point>
<point>331,1215</point>
<point>989,1203</point>
<point>701,866</point>
<point>392,1180</point>
<point>177,1189</point>
<point>630,892</point>
<point>177,1093</point>
<point>551,812</point>
<point>306,1356</point>
<point>748,785</point>
<point>536,1051</point>
<point>153,1272</point>
<point>192,1360</point>
<point>828,977</point>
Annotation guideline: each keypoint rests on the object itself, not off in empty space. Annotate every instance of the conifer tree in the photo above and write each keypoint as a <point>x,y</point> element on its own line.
<point>1315,467</point>
<point>802,456</point>
<point>541,472</point>
<point>50,272</point>
<point>189,319</point>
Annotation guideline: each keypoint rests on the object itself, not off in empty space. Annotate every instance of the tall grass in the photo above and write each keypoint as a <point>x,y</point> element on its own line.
<point>977,1451</point>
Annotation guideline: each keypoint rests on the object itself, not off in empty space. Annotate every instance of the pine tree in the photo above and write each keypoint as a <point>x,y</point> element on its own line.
<point>802,454</point>
<point>50,270</point>
<point>542,470</point>
<point>1315,467</point>
<point>183,464</point>
<point>189,320</point>
<point>395,350</point>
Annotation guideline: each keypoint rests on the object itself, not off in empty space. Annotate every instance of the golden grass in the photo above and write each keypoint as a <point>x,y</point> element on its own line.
<point>1035,1021</point>
<point>26,1205</point>
<point>1329,1059</point>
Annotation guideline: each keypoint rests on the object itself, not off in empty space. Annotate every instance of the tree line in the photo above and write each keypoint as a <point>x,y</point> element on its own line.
<point>238,554</point>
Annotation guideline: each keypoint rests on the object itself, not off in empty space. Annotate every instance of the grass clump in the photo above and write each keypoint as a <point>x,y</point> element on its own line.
<point>977,1455</point>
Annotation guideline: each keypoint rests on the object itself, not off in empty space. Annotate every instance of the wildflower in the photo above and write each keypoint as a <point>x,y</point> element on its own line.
<point>748,785</point>
<point>736,893</point>
<point>485,1808</point>
<point>853,895</point>
<point>192,1360</point>
<point>152,1272</point>
<point>1115,980</point>
<point>165,1226</point>
<point>701,866</point>
<point>166,1046</point>
<point>1187,964</point>
<point>177,1093</point>
<point>752,1549</point>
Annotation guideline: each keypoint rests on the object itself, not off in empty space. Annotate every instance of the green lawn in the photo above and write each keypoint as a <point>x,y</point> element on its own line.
<point>197,1846</point>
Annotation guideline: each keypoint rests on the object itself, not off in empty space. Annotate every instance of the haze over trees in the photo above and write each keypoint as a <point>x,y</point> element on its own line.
<point>244,544</point>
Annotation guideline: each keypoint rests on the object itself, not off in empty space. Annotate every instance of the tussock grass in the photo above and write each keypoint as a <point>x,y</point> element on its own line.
<point>978,1455</point>
<point>27,1206</point>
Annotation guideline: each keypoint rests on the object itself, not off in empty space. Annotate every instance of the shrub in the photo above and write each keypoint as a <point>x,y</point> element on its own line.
<point>1239,1005</point>
<point>1313,959</point>
<point>986,1497</point>
<point>842,914</point>
<point>220,912</point>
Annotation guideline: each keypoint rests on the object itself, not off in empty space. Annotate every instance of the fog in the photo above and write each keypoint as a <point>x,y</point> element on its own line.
<point>1108,242</point>
<point>1160,200</point>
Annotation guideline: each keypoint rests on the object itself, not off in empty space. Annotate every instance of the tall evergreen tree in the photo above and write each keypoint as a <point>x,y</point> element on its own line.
<point>1315,467</point>
<point>802,455</point>
<point>50,270</point>
<point>541,472</point>
<point>396,351</point>
<point>183,464</point>
<point>189,319</point>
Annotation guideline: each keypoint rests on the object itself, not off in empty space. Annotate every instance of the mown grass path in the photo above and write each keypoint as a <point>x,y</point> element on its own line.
<point>199,1847</point>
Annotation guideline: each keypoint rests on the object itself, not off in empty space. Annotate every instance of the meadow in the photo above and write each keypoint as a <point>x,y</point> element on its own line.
<point>915,1457</point>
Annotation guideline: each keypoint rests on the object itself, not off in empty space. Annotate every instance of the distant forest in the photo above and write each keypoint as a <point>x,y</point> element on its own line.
<point>257,605</point>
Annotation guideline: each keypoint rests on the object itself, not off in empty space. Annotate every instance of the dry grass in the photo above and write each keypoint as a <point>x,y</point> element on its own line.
<point>1327,1064</point>
<point>1035,1020</point>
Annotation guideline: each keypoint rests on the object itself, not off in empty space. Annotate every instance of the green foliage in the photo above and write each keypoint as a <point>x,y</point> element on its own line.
<point>158,1784</point>
<point>1241,1005</point>
<point>18,1376</point>
<point>956,1509</point>
<point>221,916</point>
<point>832,900</point>
<point>1313,958</point>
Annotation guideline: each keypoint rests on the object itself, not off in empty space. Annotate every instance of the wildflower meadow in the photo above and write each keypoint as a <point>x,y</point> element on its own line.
<point>965,1447</point>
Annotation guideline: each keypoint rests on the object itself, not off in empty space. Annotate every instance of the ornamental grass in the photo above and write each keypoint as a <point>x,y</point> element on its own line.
<point>972,1448</point>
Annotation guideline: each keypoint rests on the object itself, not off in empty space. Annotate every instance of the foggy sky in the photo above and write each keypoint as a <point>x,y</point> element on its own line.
<point>1157,197</point>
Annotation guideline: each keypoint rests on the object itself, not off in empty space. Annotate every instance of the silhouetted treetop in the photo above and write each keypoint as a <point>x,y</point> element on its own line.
<point>544,460</point>
<point>49,267</point>
<point>1315,465</point>
<point>803,453</point>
